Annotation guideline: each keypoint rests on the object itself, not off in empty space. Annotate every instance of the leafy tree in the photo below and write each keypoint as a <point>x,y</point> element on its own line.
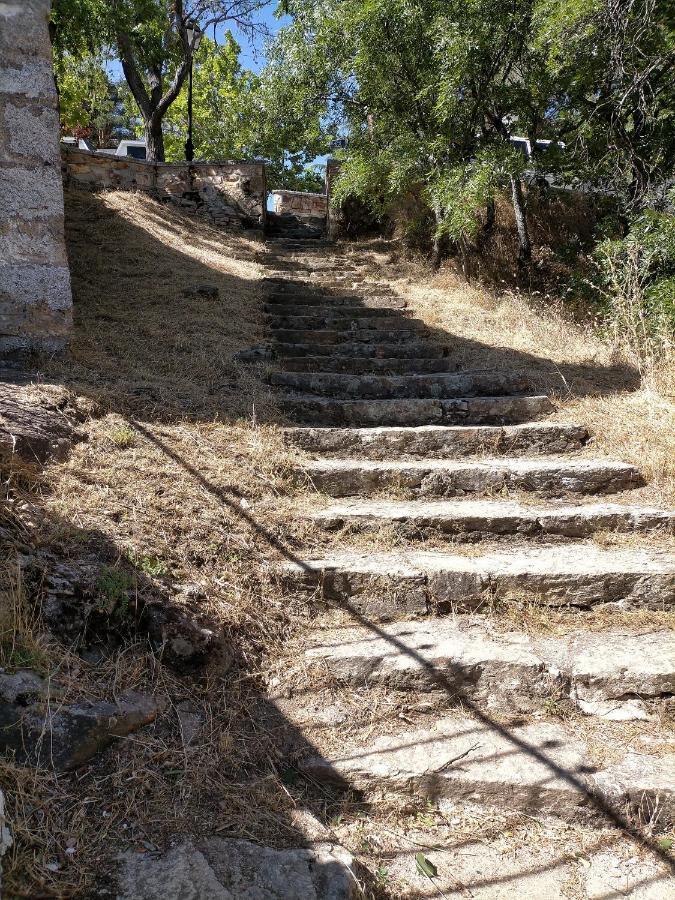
<point>429,92</point>
<point>221,92</point>
<point>152,40</point>
<point>232,120</point>
<point>88,100</point>
<point>615,59</point>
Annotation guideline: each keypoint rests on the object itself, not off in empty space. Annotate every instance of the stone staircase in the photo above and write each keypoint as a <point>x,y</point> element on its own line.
<point>445,502</point>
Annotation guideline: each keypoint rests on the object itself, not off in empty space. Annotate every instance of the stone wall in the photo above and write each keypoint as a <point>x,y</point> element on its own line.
<point>35,296</point>
<point>300,204</point>
<point>231,194</point>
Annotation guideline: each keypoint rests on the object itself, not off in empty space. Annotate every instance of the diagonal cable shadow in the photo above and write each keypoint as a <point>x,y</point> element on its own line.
<point>612,816</point>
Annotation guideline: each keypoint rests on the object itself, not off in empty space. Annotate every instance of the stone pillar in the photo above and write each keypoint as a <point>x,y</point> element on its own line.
<point>334,217</point>
<point>35,295</point>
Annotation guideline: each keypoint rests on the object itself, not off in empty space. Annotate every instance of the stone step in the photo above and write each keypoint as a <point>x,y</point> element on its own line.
<point>287,287</point>
<point>480,518</point>
<point>381,585</point>
<point>386,321</point>
<point>539,768</point>
<point>333,336</point>
<point>337,304</point>
<point>444,441</point>
<point>462,410</point>
<point>413,349</point>
<point>327,309</point>
<point>602,673</point>
<point>520,859</point>
<point>447,478</point>
<point>387,387</point>
<point>352,366</point>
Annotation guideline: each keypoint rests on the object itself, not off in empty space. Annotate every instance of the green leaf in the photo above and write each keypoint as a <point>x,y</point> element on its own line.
<point>425,866</point>
<point>665,843</point>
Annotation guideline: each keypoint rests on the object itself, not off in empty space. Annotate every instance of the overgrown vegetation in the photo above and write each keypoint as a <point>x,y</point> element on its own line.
<point>465,103</point>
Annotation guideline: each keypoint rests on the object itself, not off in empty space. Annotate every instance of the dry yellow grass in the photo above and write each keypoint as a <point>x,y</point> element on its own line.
<point>182,481</point>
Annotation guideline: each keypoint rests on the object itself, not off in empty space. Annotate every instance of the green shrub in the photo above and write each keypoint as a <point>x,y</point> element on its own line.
<point>635,282</point>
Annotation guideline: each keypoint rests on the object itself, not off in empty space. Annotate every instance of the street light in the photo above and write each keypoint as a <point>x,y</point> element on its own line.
<point>194,38</point>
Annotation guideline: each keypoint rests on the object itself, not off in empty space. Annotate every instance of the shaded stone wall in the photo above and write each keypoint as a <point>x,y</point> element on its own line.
<point>300,204</point>
<point>229,194</point>
<point>35,296</point>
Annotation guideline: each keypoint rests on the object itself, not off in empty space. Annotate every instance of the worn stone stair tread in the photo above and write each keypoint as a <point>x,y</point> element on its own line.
<point>388,322</point>
<point>386,585</point>
<point>503,410</point>
<point>444,385</point>
<point>377,349</point>
<point>468,658</point>
<point>348,335</point>
<point>540,768</point>
<point>373,366</point>
<point>334,304</point>
<point>441,440</point>
<point>496,516</point>
<point>525,864</point>
<point>441,477</point>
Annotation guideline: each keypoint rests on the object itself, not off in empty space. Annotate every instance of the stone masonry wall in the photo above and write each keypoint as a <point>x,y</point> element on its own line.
<point>229,194</point>
<point>300,204</point>
<point>35,295</point>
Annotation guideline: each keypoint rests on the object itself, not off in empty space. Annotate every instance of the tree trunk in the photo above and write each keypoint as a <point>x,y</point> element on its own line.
<point>524,245</point>
<point>488,224</point>
<point>437,246</point>
<point>154,139</point>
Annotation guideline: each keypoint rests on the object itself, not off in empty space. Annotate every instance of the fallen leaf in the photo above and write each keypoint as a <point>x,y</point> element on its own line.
<point>425,866</point>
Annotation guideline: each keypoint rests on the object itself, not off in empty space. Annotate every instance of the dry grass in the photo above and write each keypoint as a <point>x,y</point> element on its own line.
<point>182,488</point>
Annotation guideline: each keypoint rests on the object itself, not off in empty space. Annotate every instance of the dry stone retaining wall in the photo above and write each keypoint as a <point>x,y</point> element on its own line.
<point>231,194</point>
<point>35,295</point>
<point>300,204</point>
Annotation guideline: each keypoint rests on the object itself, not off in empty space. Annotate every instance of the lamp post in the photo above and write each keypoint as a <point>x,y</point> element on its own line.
<point>194,39</point>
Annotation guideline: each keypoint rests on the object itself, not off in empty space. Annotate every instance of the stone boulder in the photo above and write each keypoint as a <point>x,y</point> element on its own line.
<point>222,869</point>
<point>37,728</point>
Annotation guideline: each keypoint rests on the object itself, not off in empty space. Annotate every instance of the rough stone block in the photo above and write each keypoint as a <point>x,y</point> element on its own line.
<point>221,869</point>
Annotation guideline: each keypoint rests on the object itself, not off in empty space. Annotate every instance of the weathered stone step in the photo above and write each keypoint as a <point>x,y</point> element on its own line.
<point>389,387</point>
<point>386,321</point>
<point>462,410</point>
<point>351,366</point>
<point>278,287</point>
<point>332,336</point>
<point>441,441</point>
<point>338,304</point>
<point>603,673</point>
<point>382,585</point>
<point>521,860</point>
<point>478,518</point>
<point>413,349</point>
<point>324,309</point>
<point>540,768</point>
<point>446,478</point>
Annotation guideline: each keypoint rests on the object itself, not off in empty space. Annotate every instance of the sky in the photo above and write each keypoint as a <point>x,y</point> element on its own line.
<point>252,52</point>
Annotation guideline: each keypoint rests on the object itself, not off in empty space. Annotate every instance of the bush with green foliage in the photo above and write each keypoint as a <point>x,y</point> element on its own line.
<point>634,279</point>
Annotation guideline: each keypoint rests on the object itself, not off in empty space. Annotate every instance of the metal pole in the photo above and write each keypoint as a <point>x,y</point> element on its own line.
<point>189,146</point>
